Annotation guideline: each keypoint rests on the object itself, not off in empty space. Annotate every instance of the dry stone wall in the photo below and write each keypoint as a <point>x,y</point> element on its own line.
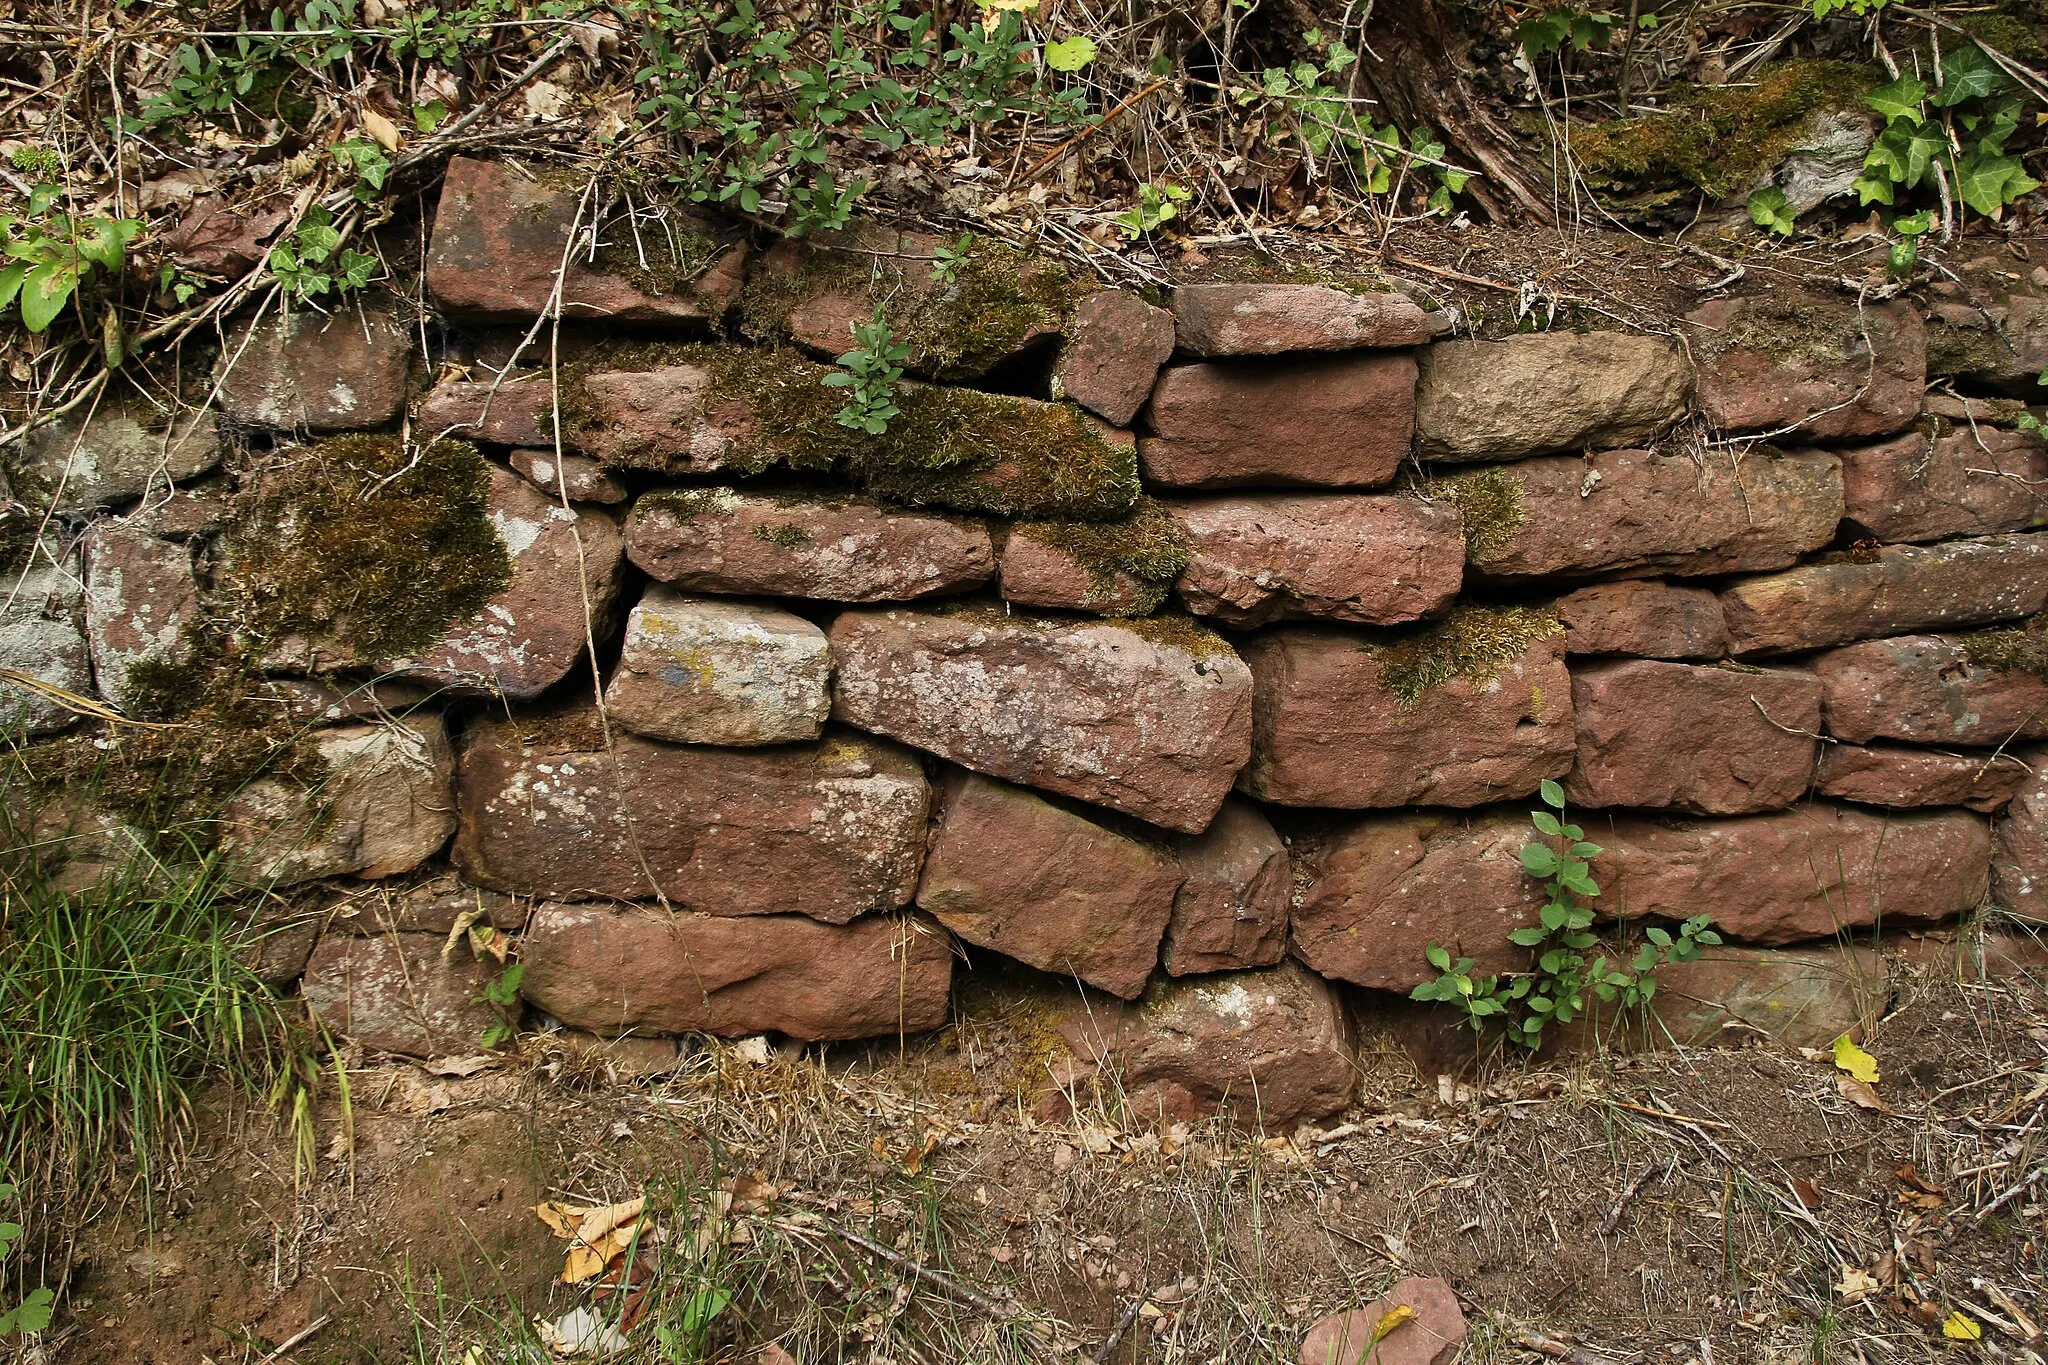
<point>1203,649</point>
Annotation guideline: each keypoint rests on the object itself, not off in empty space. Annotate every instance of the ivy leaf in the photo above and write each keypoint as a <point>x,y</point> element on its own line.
<point>1872,190</point>
<point>1988,183</point>
<point>1966,73</point>
<point>1899,99</point>
<point>1070,54</point>
<point>1913,224</point>
<point>1768,208</point>
<point>1904,153</point>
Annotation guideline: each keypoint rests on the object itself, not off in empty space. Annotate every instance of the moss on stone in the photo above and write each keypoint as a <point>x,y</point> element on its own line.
<point>1178,630</point>
<point>788,535</point>
<point>362,544</point>
<point>1715,140</point>
<point>1471,644</point>
<point>655,264</point>
<point>1490,504</point>
<point>1147,547</point>
<point>2018,648</point>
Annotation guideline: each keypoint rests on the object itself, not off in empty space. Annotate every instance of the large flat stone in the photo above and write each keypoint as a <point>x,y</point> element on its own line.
<point>1692,737</point>
<point>1864,594</point>
<point>1336,422</point>
<point>321,372</point>
<point>1960,482</point>
<point>1547,391</point>
<point>1231,910</point>
<point>1898,777</point>
<point>1375,560</point>
<point>579,477</point>
<point>1637,512</point>
<point>843,549</point>
<point>1149,721</point>
<point>140,597</point>
<point>618,969</point>
<point>1331,727</point>
<point>1816,369</point>
<point>1115,346</point>
<point>1926,689</point>
<point>109,455</point>
<point>1266,319</point>
<point>696,670</point>
<point>1644,618</point>
<point>1795,997</point>
<point>42,634</point>
<point>400,993</point>
<point>832,830</point>
<point>1031,880</point>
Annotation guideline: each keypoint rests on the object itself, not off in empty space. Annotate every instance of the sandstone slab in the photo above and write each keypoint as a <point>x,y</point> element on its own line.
<point>1034,881</point>
<point>1231,909</point>
<point>1336,422</point>
<point>109,456</point>
<point>1638,512</point>
<point>1547,391</point>
<point>1433,1336</point>
<point>1796,997</point>
<point>319,372</point>
<point>399,993</point>
<point>140,596</point>
<point>1692,737</point>
<point>1341,721</point>
<point>528,637</point>
<point>1889,591</point>
<point>501,235</point>
<point>1827,370</point>
<point>2019,862</point>
<point>1034,572</point>
<point>831,830</point>
<point>1959,482</point>
<point>519,411</point>
<point>579,477</point>
<point>842,549</point>
<point>385,804</point>
<point>1267,319</point>
<point>1149,722</point>
<point>1376,560</point>
<point>1996,336</point>
<point>696,670</point>
<point>1115,346</point>
<point>1645,618</point>
<point>619,969</point>
<point>1272,1048</point>
<point>53,652</point>
<point>1896,776</point>
<point>1926,689</point>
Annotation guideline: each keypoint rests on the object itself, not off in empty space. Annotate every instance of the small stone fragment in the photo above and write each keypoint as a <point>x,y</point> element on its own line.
<point>319,372</point>
<point>1547,391</point>
<point>1035,573</point>
<point>1926,689</point>
<point>1643,617</point>
<point>695,670</point>
<point>400,993</point>
<point>1266,319</point>
<point>1033,881</point>
<point>1331,422</point>
<point>140,596</point>
<point>1115,346</point>
<point>1897,777</point>
<point>1433,1336</point>
<point>1231,910</point>
<point>1827,370</point>
<point>53,652</point>
<point>580,477</point>
<point>1960,482</point>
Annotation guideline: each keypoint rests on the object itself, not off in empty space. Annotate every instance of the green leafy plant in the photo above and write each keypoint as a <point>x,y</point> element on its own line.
<point>366,160</point>
<point>1954,131</point>
<point>1545,34</point>
<point>947,260</point>
<point>684,1338</point>
<point>1157,206</point>
<point>1769,209</point>
<point>53,255</point>
<point>32,1314</point>
<point>1905,250</point>
<point>313,261</point>
<point>1557,986</point>
<point>501,993</point>
<point>870,373</point>
<point>1823,8</point>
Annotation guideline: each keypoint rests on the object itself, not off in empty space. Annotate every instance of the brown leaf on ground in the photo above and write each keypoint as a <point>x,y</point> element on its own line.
<point>1861,1095</point>
<point>215,239</point>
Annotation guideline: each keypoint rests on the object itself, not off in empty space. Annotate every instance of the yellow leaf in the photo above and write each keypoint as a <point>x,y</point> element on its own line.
<point>597,1222</point>
<point>560,1218</point>
<point>582,1263</point>
<point>381,128</point>
<point>1960,1328</point>
<point>1855,1061</point>
<point>1394,1318</point>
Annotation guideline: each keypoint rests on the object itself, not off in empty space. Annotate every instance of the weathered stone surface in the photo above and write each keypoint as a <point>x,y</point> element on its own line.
<point>1827,370</point>
<point>1037,574</point>
<point>1959,483</point>
<point>1272,1048</point>
<point>1154,724</point>
<point>385,804</point>
<point>1888,591</point>
<point>831,830</point>
<point>1329,729</point>
<point>2019,862</point>
<point>1692,737</point>
<point>697,670</point>
<point>1340,422</point>
<point>499,240</point>
<point>1638,512</point>
<point>399,993</point>
<point>322,372</point>
<point>1925,689</point>
<point>50,651</point>
<point>432,906</point>
<point>516,412</point>
<point>1115,346</point>
<point>1377,560</point>
<point>1266,319</point>
<point>277,953</point>
<point>328,701</point>
<point>1548,391</point>
<point>140,595</point>
<point>528,637</point>
<point>843,549</point>
<point>1645,618</point>
<point>667,417</point>
<point>1012,872</point>
<point>1796,997</point>
<point>1890,775</point>
<point>582,478</point>
<point>611,969</point>
<point>1432,1337</point>
<point>1995,334</point>
<point>113,456</point>
<point>1231,909</point>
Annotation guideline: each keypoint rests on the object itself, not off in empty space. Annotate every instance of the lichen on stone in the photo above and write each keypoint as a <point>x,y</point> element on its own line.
<point>365,544</point>
<point>1147,546</point>
<point>1489,503</point>
<point>1470,644</point>
<point>1787,328</point>
<point>2016,648</point>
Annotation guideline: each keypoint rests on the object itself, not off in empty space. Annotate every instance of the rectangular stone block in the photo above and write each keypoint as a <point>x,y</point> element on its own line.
<point>1928,689</point>
<point>1545,392</point>
<point>1950,481</point>
<point>1829,369</point>
<point>1897,777</point>
<point>697,670</point>
<point>1645,618</point>
<point>1231,910</point>
<point>1331,422</point>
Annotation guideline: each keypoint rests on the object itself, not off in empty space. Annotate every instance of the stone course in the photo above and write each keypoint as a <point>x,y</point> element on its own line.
<point>1330,422</point>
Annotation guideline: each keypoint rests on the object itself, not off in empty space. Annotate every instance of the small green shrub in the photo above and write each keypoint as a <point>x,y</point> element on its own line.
<point>872,369</point>
<point>32,1314</point>
<point>53,255</point>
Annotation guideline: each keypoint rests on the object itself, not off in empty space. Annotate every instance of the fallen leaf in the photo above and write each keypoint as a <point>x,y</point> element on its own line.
<point>1855,1061</point>
<point>545,100</point>
<point>1960,1328</point>
<point>216,240</point>
<point>1861,1095</point>
<point>1909,1174</point>
<point>598,1222</point>
<point>1855,1284</point>
<point>382,129</point>
<point>1394,1318</point>
<point>1807,1193</point>
<point>581,1332</point>
<point>582,1263</point>
<point>459,1066</point>
<point>562,1218</point>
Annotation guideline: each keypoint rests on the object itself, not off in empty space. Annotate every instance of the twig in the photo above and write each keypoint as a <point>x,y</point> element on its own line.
<point>455,130</point>
<point>2015,1192</point>
<point>1459,276</point>
<point>1123,1325</point>
<point>300,1337</point>
<point>74,703</point>
<point>1668,1116</point>
<point>1630,1191</point>
<point>1056,153</point>
<point>1560,1350</point>
<point>971,1296</point>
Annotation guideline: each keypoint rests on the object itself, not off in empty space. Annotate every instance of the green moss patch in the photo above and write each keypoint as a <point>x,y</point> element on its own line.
<point>363,544</point>
<point>655,264</point>
<point>1489,501</point>
<point>2020,648</point>
<point>1472,644</point>
<point>1715,140</point>
<point>1147,546</point>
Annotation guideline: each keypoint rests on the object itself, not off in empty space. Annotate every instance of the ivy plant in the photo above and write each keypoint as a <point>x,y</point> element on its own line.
<point>1955,129</point>
<point>32,1314</point>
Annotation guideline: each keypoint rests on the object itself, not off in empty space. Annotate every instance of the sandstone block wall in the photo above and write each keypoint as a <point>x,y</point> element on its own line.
<point>1204,649</point>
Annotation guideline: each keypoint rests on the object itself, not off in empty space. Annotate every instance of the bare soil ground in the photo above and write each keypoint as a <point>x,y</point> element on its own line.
<point>905,1205</point>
